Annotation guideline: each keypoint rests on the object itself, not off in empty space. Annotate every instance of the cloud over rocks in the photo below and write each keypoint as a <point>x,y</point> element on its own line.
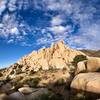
<point>46,21</point>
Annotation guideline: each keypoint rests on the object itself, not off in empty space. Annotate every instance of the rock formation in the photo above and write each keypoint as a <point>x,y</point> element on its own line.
<point>92,64</point>
<point>58,56</point>
<point>89,82</point>
<point>51,74</point>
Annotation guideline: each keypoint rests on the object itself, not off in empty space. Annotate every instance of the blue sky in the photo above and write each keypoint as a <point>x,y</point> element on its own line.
<point>27,25</point>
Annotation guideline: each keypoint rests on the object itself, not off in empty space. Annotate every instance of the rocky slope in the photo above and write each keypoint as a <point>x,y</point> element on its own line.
<point>53,73</point>
<point>92,53</point>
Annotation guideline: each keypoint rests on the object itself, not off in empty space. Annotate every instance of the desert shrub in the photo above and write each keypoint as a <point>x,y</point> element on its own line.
<point>78,96</point>
<point>33,82</point>
<point>15,81</point>
<point>1,74</point>
<point>8,79</point>
<point>51,97</point>
<point>31,72</point>
<point>12,72</point>
<point>57,97</point>
<point>60,81</point>
<point>18,71</point>
<point>44,97</point>
<point>78,58</point>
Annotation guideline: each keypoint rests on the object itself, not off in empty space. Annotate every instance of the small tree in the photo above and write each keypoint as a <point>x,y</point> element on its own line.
<point>78,58</point>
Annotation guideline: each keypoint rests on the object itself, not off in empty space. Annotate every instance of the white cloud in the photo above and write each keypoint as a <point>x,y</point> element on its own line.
<point>54,6</point>
<point>6,18</point>
<point>61,30</point>
<point>77,10</point>
<point>12,6</point>
<point>2,6</point>
<point>89,37</point>
<point>61,5</point>
<point>9,26</point>
<point>14,31</point>
<point>24,43</point>
<point>43,31</point>
<point>57,20</point>
<point>58,29</point>
<point>10,41</point>
<point>1,25</point>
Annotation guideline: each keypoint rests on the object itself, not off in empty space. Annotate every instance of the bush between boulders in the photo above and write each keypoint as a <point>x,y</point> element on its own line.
<point>78,58</point>
<point>32,82</point>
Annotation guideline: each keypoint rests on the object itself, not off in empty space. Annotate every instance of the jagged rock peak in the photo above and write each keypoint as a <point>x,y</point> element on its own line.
<point>59,44</point>
<point>56,57</point>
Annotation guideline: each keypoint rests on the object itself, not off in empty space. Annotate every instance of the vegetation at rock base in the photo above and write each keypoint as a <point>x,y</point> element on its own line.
<point>1,74</point>
<point>16,81</point>
<point>51,97</point>
<point>32,82</point>
<point>60,81</point>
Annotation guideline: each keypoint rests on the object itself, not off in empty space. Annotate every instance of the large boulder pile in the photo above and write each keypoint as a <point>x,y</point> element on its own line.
<point>87,79</point>
<point>92,64</point>
<point>89,82</point>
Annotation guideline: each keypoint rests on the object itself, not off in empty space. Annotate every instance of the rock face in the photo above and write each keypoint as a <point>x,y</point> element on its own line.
<point>25,90</point>
<point>6,88</point>
<point>89,82</point>
<point>55,57</point>
<point>36,95</point>
<point>3,96</point>
<point>81,67</point>
<point>92,64</point>
<point>16,96</point>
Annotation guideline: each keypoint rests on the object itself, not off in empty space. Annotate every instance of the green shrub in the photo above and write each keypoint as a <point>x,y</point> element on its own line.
<point>33,82</point>
<point>16,81</point>
<point>60,81</point>
<point>51,97</point>
<point>1,74</point>
<point>78,58</point>
<point>44,97</point>
<point>57,97</point>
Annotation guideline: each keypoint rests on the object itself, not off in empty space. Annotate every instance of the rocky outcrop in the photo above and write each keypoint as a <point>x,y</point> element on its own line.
<point>36,95</point>
<point>15,96</point>
<point>92,64</point>
<point>3,96</point>
<point>89,82</point>
<point>6,88</point>
<point>25,90</point>
<point>19,95</point>
<point>58,56</point>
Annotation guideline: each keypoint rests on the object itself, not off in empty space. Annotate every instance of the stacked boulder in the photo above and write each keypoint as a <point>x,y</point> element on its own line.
<point>24,93</point>
<point>87,77</point>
